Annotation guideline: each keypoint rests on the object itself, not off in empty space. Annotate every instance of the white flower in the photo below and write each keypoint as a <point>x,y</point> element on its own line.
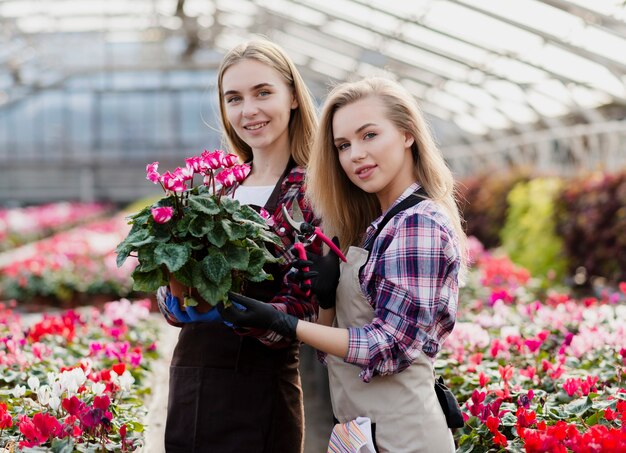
<point>125,381</point>
<point>33,383</point>
<point>43,395</point>
<point>19,391</point>
<point>73,379</point>
<point>98,388</point>
<point>55,402</point>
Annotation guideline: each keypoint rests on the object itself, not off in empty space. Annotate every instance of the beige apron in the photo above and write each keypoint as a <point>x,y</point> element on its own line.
<point>404,406</point>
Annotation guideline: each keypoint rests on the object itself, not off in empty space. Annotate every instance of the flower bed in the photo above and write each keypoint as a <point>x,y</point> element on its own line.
<point>21,225</point>
<point>535,371</point>
<point>76,381</point>
<point>69,268</point>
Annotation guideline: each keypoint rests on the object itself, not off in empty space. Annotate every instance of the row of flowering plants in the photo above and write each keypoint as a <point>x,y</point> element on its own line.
<point>77,380</point>
<point>536,370</point>
<point>78,263</point>
<point>22,225</point>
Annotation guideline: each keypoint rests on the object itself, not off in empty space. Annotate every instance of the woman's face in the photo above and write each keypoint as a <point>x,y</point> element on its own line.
<point>373,152</point>
<point>258,103</point>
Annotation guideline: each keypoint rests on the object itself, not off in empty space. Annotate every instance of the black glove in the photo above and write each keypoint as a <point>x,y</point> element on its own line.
<point>259,315</point>
<point>323,273</point>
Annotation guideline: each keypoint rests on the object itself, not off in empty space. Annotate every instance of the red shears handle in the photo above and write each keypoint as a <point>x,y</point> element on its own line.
<point>330,244</point>
<point>299,247</point>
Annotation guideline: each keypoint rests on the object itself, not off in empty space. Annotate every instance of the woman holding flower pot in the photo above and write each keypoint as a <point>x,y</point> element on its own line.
<point>385,312</point>
<point>239,390</point>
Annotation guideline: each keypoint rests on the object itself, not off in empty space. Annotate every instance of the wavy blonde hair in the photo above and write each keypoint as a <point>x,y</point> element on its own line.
<point>347,210</point>
<point>303,121</point>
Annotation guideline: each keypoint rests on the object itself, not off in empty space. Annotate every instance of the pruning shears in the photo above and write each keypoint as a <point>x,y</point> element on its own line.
<point>305,234</point>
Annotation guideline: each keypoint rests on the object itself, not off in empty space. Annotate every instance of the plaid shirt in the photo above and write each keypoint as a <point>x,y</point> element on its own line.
<point>411,281</point>
<point>290,299</point>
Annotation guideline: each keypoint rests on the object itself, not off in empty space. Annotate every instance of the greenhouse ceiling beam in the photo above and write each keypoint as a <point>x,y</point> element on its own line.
<point>421,68</point>
<point>602,21</point>
<point>403,70</point>
<point>561,77</point>
<point>573,106</point>
<point>617,68</point>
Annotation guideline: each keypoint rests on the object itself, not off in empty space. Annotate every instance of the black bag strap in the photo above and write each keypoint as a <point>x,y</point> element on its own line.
<point>415,198</point>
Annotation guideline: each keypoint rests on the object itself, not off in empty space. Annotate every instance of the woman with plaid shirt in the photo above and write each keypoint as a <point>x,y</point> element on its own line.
<point>386,312</point>
<point>236,391</point>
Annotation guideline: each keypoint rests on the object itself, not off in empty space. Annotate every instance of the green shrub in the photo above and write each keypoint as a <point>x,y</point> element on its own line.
<point>484,203</point>
<point>529,235</point>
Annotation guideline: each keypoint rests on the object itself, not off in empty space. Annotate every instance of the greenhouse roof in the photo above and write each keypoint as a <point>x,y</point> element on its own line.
<point>487,68</point>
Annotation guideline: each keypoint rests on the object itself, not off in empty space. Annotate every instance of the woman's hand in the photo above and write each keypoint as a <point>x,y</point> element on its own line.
<point>323,272</point>
<point>248,312</point>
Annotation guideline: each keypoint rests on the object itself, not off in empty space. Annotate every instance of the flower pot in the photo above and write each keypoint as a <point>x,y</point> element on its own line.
<point>179,291</point>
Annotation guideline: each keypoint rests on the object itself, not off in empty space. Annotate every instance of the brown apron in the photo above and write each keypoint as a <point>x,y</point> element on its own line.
<point>231,394</point>
<point>403,406</point>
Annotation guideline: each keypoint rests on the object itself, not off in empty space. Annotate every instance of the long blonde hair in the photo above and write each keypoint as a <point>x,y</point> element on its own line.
<point>346,210</point>
<point>303,122</point>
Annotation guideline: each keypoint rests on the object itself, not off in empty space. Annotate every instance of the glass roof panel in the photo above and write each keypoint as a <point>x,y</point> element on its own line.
<point>422,59</point>
<point>487,32</point>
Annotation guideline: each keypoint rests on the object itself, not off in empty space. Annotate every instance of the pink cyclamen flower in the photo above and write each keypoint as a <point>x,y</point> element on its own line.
<point>184,173</point>
<point>162,214</point>
<point>241,172</point>
<point>211,161</point>
<point>195,163</point>
<point>229,160</point>
<point>151,172</point>
<point>226,177</point>
<point>173,182</point>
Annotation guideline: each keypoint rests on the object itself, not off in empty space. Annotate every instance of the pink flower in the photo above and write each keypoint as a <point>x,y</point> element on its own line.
<point>211,161</point>
<point>151,172</point>
<point>241,172</point>
<point>229,160</point>
<point>162,214</point>
<point>226,177</point>
<point>195,163</point>
<point>184,173</point>
<point>173,182</point>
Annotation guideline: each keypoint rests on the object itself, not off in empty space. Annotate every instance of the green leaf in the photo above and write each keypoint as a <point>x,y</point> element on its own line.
<point>174,256</point>
<point>592,420</point>
<point>215,266</point>
<point>206,205</point>
<point>185,274</point>
<point>247,214</point>
<point>217,236</point>
<point>123,250</point>
<point>578,407</point>
<point>233,231</point>
<point>148,281</point>
<point>145,255</point>
<point>229,205</point>
<point>256,261</point>
<point>201,226</point>
<point>214,293</point>
<point>237,257</point>
<point>139,238</point>
<point>182,226</point>
<point>259,276</point>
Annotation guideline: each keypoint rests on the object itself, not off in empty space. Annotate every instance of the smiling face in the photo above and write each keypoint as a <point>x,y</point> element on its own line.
<point>373,152</point>
<point>258,103</point>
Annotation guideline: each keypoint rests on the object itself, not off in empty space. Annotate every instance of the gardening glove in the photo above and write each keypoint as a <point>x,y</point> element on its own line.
<point>190,314</point>
<point>258,315</point>
<point>323,273</point>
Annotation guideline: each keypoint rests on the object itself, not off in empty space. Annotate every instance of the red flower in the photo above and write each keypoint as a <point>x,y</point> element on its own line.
<point>610,414</point>
<point>119,368</point>
<point>6,421</point>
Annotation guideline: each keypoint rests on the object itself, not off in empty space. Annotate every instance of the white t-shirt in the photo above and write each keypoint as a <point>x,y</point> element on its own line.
<point>256,195</point>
